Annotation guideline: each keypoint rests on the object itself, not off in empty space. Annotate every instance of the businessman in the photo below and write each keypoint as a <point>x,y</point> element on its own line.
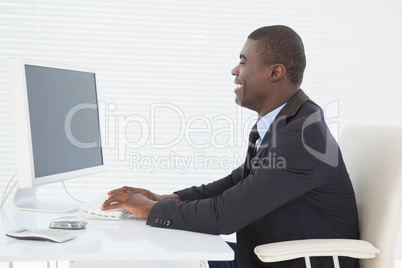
<point>309,195</point>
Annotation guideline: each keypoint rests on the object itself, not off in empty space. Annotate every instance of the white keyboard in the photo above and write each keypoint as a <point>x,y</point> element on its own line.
<point>93,209</point>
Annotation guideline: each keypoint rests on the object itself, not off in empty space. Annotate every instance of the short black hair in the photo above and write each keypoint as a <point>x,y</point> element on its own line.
<point>281,44</point>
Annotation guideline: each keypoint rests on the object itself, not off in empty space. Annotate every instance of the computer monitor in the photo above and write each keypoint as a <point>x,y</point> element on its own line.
<point>56,128</point>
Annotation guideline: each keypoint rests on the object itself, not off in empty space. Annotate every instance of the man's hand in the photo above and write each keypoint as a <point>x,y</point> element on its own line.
<point>137,201</point>
<point>134,203</point>
<point>146,193</point>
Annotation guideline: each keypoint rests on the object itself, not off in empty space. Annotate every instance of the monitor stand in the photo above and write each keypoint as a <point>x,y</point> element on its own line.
<point>25,199</point>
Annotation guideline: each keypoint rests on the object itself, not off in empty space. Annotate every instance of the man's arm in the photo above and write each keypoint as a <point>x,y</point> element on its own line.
<point>140,201</point>
<point>212,189</point>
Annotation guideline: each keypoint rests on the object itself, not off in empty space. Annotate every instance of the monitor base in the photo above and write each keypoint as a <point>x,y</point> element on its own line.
<point>25,199</point>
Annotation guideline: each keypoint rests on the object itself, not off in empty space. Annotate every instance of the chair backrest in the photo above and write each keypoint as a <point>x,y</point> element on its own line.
<point>373,156</point>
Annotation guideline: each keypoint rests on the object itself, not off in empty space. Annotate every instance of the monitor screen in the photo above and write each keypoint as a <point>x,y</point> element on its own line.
<point>63,117</point>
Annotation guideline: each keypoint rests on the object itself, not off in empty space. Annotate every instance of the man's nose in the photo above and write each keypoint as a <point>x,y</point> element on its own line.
<point>235,70</point>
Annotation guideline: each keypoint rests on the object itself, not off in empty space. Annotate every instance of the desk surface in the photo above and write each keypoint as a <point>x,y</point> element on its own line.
<point>125,240</point>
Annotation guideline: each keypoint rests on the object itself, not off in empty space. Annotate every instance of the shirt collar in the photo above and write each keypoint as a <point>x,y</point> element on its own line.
<point>265,122</point>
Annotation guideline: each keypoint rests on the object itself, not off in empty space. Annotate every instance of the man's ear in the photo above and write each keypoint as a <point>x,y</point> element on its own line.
<point>277,72</point>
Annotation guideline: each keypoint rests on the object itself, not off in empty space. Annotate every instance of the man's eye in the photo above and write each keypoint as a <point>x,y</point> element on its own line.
<point>241,62</point>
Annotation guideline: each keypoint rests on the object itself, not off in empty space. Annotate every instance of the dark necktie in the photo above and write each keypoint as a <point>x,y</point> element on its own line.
<point>251,150</point>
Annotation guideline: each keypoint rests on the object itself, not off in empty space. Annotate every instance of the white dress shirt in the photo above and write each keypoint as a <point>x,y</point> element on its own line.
<point>265,122</point>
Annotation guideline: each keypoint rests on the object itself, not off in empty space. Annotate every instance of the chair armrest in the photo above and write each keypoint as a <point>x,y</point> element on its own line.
<point>288,250</point>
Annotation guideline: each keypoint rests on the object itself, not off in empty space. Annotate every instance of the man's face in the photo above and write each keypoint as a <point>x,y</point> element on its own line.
<point>251,78</point>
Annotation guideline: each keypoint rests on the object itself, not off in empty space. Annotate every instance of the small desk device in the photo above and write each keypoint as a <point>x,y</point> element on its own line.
<point>68,223</point>
<point>53,235</point>
<point>56,128</point>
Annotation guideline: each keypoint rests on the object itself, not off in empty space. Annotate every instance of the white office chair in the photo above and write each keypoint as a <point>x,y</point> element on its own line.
<point>373,156</point>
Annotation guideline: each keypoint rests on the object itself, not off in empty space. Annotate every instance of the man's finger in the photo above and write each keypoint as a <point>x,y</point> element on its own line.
<point>110,204</point>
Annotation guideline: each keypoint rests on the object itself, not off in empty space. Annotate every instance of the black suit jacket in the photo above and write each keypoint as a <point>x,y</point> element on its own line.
<point>298,189</point>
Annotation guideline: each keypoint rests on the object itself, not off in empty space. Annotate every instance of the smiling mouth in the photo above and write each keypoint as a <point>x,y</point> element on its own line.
<point>237,89</point>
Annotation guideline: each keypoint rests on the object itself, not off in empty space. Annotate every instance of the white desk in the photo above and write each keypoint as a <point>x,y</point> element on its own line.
<point>129,241</point>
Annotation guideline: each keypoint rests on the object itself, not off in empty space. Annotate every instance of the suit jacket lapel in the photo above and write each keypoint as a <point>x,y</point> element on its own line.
<point>289,110</point>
